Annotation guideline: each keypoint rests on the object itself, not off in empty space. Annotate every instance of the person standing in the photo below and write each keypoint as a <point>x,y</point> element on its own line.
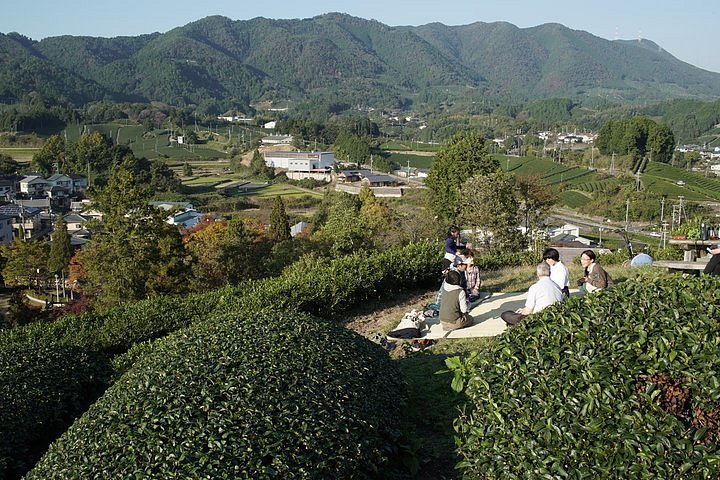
<point>451,247</point>
<point>596,278</point>
<point>558,271</point>
<point>541,294</point>
<point>454,307</point>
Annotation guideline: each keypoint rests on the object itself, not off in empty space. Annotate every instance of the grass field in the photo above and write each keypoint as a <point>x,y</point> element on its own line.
<point>22,155</point>
<point>416,161</point>
<point>410,146</point>
<point>282,190</point>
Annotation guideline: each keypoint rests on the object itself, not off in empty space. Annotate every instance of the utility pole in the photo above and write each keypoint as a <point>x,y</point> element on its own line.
<point>627,213</point>
<point>662,210</point>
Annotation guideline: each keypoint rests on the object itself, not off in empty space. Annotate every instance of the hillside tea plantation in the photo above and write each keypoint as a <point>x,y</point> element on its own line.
<point>244,396</point>
<point>83,347</point>
<point>620,384</point>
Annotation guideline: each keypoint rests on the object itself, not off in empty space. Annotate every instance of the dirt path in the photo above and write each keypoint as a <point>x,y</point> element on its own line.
<point>383,316</point>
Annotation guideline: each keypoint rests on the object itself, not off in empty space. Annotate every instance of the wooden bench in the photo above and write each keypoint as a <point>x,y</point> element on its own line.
<point>682,266</point>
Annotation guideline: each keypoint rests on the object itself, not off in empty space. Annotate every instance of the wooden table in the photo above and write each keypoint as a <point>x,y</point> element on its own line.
<point>693,249</point>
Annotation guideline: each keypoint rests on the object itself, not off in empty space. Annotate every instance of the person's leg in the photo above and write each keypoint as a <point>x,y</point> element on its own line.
<point>511,318</point>
<point>466,320</point>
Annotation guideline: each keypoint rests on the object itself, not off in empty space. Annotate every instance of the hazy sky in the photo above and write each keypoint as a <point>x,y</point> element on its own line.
<point>687,29</point>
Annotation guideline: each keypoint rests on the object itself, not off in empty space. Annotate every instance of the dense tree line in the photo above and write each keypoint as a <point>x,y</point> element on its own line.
<point>637,137</point>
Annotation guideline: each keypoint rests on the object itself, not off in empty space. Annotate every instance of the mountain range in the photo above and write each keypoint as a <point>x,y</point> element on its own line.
<point>217,64</point>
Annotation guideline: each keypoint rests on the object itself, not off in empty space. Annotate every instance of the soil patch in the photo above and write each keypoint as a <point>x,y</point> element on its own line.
<point>383,315</point>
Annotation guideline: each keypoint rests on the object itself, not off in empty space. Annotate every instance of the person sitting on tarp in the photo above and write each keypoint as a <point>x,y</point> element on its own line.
<point>541,294</point>
<point>454,306</point>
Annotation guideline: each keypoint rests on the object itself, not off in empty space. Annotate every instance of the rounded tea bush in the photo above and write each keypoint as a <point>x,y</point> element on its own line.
<point>43,388</point>
<point>624,383</point>
<point>251,396</point>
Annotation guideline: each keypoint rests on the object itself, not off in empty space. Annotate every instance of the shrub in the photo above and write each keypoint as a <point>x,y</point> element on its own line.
<point>619,384</point>
<point>42,390</point>
<point>245,396</point>
<point>321,286</point>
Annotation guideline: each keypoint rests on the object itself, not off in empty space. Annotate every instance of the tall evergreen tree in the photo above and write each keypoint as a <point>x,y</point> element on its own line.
<point>259,168</point>
<point>464,156</point>
<point>279,221</point>
<point>60,249</point>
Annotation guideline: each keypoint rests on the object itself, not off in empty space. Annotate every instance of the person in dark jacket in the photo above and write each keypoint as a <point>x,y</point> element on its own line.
<point>713,265</point>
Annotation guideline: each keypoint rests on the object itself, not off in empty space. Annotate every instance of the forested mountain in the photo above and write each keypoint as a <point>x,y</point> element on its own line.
<point>217,63</point>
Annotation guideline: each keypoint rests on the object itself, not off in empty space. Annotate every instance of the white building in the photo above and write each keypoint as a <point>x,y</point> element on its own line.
<point>300,161</point>
<point>33,185</point>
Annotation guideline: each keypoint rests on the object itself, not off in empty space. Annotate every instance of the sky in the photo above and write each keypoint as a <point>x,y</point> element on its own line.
<point>688,30</point>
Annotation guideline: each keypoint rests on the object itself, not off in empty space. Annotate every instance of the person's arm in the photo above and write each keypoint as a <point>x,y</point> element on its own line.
<point>598,278</point>
<point>529,303</point>
<point>714,251</point>
<point>462,298</point>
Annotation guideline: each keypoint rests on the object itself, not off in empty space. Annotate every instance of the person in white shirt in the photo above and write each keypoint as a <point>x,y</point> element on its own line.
<point>541,294</point>
<point>558,271</point>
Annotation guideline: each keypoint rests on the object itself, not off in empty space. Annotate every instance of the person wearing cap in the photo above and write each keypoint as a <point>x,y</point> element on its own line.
<point>541,294</point>
<point>454,307</point>
<point>558,271</point>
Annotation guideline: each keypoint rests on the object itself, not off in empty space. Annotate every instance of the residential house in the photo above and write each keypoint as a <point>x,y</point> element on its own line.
<point>6,229</point>
<point>350,176</point>
<point>7,189</point>
<point>87,209</point>
<point>183,214</point>
<point>33,186</point>
<point>75,222</point>
<point>378,181</point>
<point>186,219</point>
<point>42,204</point>
<point>173,205</point>
<point>60,180</point>
<point>79,182</point>
<point>24,219</point>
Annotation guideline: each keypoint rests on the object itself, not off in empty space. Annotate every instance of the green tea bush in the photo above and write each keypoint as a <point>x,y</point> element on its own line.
<point>325,287</point>
<point>42,390</point>
<point>244,396</point>
<point>624,383</point>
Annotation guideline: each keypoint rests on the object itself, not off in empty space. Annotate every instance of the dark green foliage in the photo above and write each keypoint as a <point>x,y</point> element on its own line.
<point>637,137</point>
<point>259,168</point>
<point>619,384</point>
<point>313,285</point>
<point>279,221</point>
<point>246,396</point>
<point>333,61</point>
<point>42,389</point>
<point>464,156</point>
<point>8,165</point>
<point>61,250</point>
